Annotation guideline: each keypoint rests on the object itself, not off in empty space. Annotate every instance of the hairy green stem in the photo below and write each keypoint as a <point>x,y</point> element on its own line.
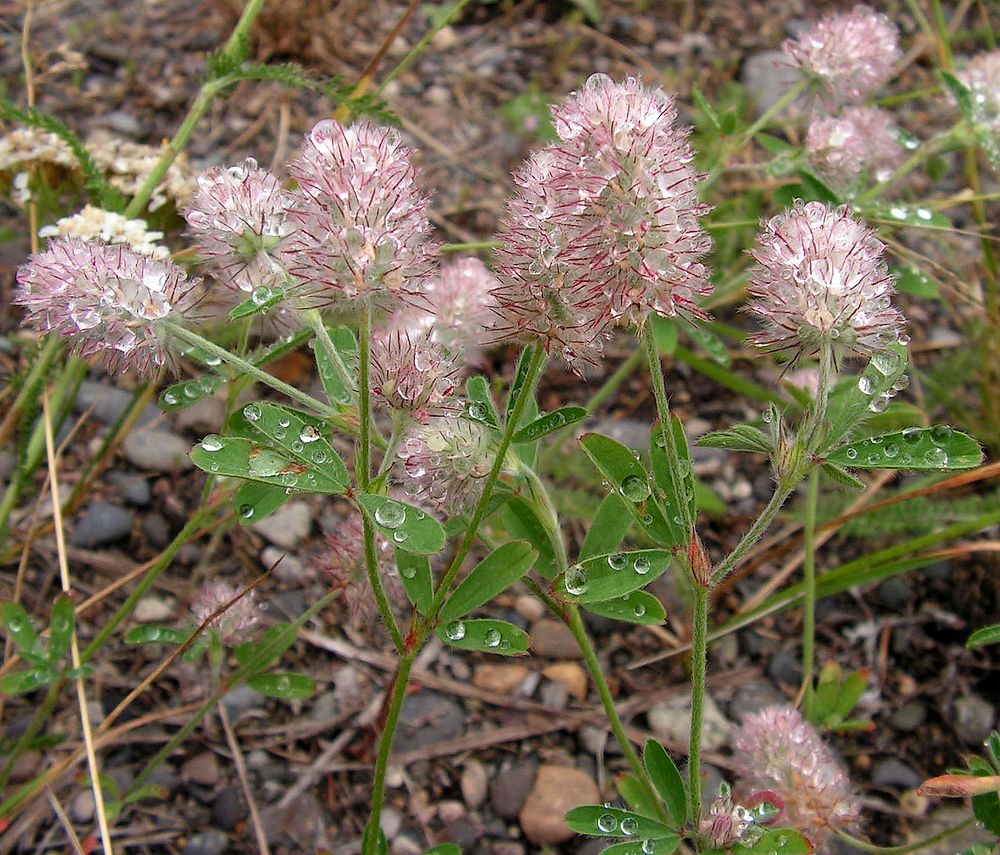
<point>248,368</point>
<point>699,648</point>
<point>753,534</point>
<point>396,697</point>
<point>809,589</point>
<point>865,846</point>
<point>363,473</point>
<point>315,320</point>
<point>198,108</point>
<point>378,590</point>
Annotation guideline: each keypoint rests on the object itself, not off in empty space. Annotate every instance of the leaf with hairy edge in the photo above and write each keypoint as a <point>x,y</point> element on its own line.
<point>607,577</point>
<point>937,449</point>
<point>287,686</point>
<point>262,299</point>
<point>636,796</point>
<point>487,636</point>
<point>237,457</point>
<point>600,821</point>
<point>337,390</point>
<point>855,400</point>
<point>416,578</point>
<point>549,423</point>
<point>491,576</point>
<point>21,631</point>
<point>253,501</point>
<point>152,634</point>
<point>670,496</point>
<point>984,636</point>
<point>742,437</point>
<point>21,682</point>
<point>405,526</point>
<point>480,407</point>
<point>638,607</point>
<point>607,528</point>
<point>667,779</point>
<point>62,620</point>
<point>181,395</point>
<point>522,522</point>
<point>663,846</point>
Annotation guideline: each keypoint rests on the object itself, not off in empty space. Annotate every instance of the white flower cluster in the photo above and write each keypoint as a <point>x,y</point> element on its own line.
<point>94,223</point>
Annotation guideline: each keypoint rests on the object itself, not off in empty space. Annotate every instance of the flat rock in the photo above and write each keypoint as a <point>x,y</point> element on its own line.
<point>753,696</point>
<point>551,639</point>
<point>211,842</point>
<point>202,769</point>
<point>557,790</point>
<point>107,403</point>
<point>134,488</point>
<point>670,720</point>
<point>205,416</point>
<point>510,788</point>
<point>154,609</point>
<point>100,524</point>
<point>973,718</point>
<point>157,451</point>
<point>228,808</point>
<point>571,676</point>
<point>474,784</point>
<point>501,679</point>
<point>302,821</point>
<point>895,773</point>
<point>288,526</point>
<point>287,568</point>
<point>428,718</point>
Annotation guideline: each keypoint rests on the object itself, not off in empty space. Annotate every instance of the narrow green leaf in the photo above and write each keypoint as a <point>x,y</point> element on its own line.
<point>851,690</point>
<point>550,422</point>
<point>672,497</point>
<point>741,437</point>
<point>337,390</point>
<point>993,746</point>
<point>415,576</point>
<point>283,685</point>
<point>488,636</point>
<point>960,92</point>
<point>480,407</point>
<point>817,188</point>
<point>667,779</point>
<point>444,849</point>
<point>714,347</point>
<point>491,576</point>
<point>636,795</point>
<point>600,821</point>
<point>663,846</point>
<point>79,673</point>
<point>937,449</point>
<point>910,280</point>
<point>776,841</point>
<point>905,215</point>
<point>984,636</point>
<point>253,501</point>
<point>262,299</point>
<point>637,607</point>
<point>297,436</point>
<point>178,396</point>
<point>405,526</point>
<point>607,528</point>
<point>773,145</point>
<point>517,384</point>
<point>521,522</point>
<point>153,634</point>
<point>237,457</point>
<point>20,682</point>
<point>665,334</point>
<point>257,655</point>
<point>842,476</point>
<point>607,577</point>
<point>702,104</point>
<point>62,620</point>
<point>21,631</point>
<point>856,399</point>
<point>381,844</point>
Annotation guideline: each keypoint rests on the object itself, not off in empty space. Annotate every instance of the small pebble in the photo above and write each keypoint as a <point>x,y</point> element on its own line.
<point>670,721</point>
<point>973,718</point>
<point>895,773</point>
<point>509,789</point>
<point>101,524</point>
<point>212,842</point>
<point>557,790</point>
<point>530,608</point>
<point>571,676</point>
<point>501,679</point>
<point>288,526</point>
<point>82,809</point>
<point>228,809</point>
<point>154,609</point>
<point>202,769</point>
<point>474,784</point>
<point>157,451</point>
<point>551,639</point>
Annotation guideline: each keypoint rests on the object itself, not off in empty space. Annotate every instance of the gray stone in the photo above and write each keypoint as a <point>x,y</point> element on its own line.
<point>157,451</point>
<point>428,718</point>
<point>287,568</point>
<point>134,488</point>
<point>122,123</point>
<point>670,721</point>
<point>554,695</point>
<point>156,528</point>
<point>767,77</point>
<point>107,403</point>
<point>202,769</point>
<point>630,432</point>
<point>165,776</point>
<point>909,716</point>
<point>894,594</point>
<point>82,808</point>
<point>8,462</point>
<point>895,773</point>
<point>100,524</point>
<point>597,741</point>
<point>973,718</point>
<point>288,526</point>
<point>551,639</point>
<point>204,416</point>
<point>240,700</point>
<point>302,821</point>
<point>228,808</point>
<point>212,842</point>
<point>510,789</point>
<point>785,668</point>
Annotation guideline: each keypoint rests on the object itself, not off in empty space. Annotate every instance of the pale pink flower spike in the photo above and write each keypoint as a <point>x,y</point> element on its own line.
<point>239,617</point>
<point>414,374</point>
<point>860,140</point>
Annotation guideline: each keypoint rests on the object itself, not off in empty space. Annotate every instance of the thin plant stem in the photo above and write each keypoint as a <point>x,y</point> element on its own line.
<point>234,748</point>
<point>871,848</point>
<point>469,245</point>
<point>363,473</point>
<point>396,697</point>
<point>248,368</point>
<point>809,589</point>
<point>753,534</point>
<point>74,647</point>
<point>378,590</point>
<point>926,150</point>
<point>699,646</point>
<point>52,347</point>
<point>195,113</point>
<point>315,320</point>
<point>418,48</point>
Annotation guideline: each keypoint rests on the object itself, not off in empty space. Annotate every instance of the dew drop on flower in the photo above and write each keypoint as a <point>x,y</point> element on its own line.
<point>455,631</point>
<point>607,823</point>
<point>390,515</point>
<point>212,442</point>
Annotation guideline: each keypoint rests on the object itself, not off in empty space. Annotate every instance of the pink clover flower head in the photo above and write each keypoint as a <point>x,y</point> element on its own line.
<point>445,463</point>
<point>236,621</point>
<point>239,220</point>
<point>543,294</point>
<point>726,822</point>
<point>982,78</point>
<point>414,374</point>
<point>344,561</point>
<point>108,298</point>
<point>361,220</point>
<point>460,300</point>
<point>860,140</point>
<point>640,236</point>
<point>849,54</point>
<point>821,279</point>
<point>776,750</point>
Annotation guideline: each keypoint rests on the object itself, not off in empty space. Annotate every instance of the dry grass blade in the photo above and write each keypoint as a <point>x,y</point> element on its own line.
<point>60,812</point>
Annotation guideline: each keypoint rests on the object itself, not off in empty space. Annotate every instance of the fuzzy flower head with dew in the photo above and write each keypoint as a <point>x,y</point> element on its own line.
<point>821,280</point>
<point>543,294</point>
<point>777,750</point>
<point>445,463</point>
<point>361,227</point>
<point>239,617</point>
<point>109,299</point>
<point>238,219</point>
<point>97,224</point>
<point>860,140</point>
<point>982,78</point>
<point>344,561</point>
<point>638,231</point>
<point>848,54</point>
<point>414,374</point>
